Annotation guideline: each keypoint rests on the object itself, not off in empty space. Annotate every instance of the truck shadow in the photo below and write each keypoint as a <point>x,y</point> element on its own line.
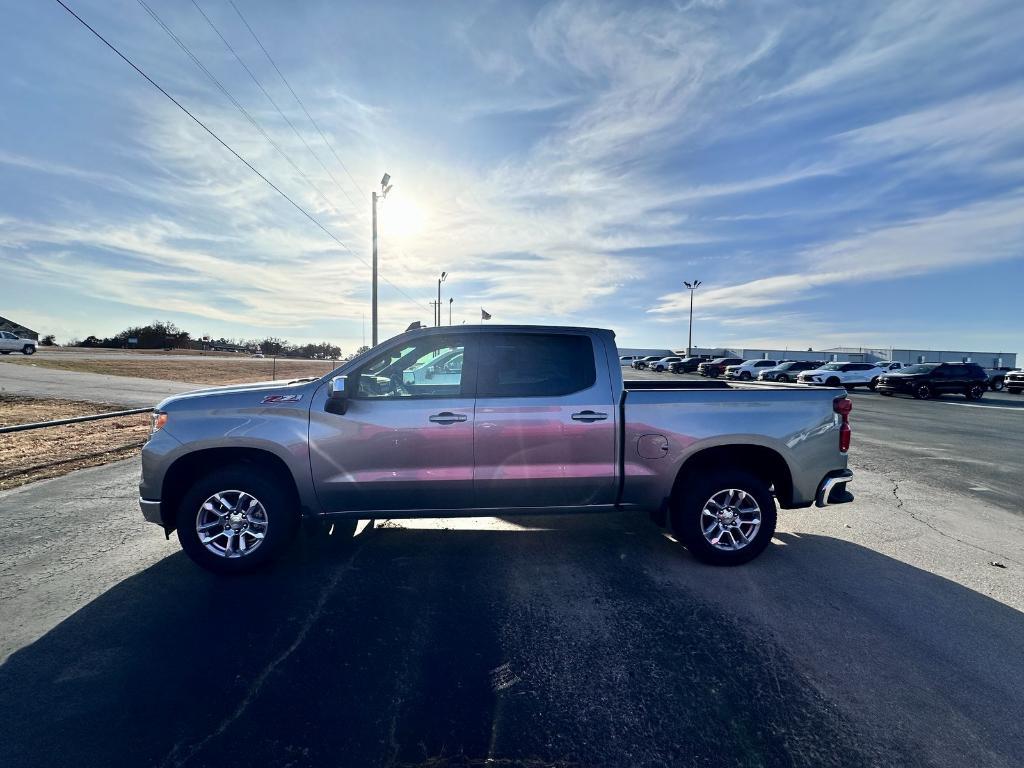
<point>584,641</point>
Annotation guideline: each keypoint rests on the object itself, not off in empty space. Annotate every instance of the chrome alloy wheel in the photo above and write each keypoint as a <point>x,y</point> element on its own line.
<point>232,524</point>
<point>730,519</point>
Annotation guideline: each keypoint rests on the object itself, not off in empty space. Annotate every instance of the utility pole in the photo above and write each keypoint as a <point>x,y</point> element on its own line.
<point>385,187</point>
<point>692,287</point>
<point>435,308</point>
<point>450,310</point>
<point>441,279</point>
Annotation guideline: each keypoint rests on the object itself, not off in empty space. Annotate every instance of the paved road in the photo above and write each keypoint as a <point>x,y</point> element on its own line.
<point>90,387</point>
<point>976,449</point>
<point>870,634</point>
<point>875,633</point>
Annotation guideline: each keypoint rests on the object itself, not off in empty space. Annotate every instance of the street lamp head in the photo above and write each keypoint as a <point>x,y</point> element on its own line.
<point>444,276</point>
<point>384,181</point>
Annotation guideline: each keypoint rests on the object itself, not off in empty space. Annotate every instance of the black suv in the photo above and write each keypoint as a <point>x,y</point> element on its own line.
<point>932,379</point>
<point>716,367</point>
<point>789,370</point>
<point>688,364</point>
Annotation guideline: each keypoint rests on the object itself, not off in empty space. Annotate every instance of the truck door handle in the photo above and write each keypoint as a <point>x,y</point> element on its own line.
<point>589,416</point>
<point>447,417</point>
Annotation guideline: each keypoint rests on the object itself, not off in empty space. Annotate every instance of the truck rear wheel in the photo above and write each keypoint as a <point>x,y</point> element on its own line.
<point>233,520</point>
<point>725,518</point>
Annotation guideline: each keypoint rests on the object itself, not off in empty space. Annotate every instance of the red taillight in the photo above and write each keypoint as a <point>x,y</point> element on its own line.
<point>843,406</point>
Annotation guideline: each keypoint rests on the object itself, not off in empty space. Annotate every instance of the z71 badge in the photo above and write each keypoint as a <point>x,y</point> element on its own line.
<point>281,399</point>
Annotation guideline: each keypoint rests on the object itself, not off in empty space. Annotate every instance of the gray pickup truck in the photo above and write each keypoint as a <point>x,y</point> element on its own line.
<point>489,420</point>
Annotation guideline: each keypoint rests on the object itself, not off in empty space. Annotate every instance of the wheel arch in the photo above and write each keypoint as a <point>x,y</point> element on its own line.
<point>764,462</point>
<point>189,467</point>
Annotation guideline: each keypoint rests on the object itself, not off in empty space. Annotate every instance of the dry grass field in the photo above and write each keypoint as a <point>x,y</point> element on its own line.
<point>209,371</point>
<point>40,453</point>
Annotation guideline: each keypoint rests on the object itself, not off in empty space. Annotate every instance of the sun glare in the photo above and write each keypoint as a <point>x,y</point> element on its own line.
<point>402,218</point>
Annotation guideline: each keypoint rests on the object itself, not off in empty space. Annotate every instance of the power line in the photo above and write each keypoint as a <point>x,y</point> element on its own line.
<point>303,106</point>
<point>296,96</point>
<point>242,110</point>
<point>228,147</point>
<point>274,104</point>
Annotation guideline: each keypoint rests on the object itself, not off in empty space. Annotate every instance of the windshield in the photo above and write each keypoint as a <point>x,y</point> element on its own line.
<point>926,368</point>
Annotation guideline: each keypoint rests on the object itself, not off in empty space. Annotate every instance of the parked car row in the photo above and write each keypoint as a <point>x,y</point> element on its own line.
<point>889,377</point>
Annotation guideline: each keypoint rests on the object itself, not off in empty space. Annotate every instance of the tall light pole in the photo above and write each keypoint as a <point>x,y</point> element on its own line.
<point>693,287</point>
<point>450,301</point>
<point>385,187</point>
<point>441,279</point>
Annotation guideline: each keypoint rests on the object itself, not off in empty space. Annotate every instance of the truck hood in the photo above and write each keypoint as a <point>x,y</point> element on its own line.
<point>279,386</point>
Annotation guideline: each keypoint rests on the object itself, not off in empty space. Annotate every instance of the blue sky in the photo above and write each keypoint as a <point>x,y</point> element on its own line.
<point>834,173</point>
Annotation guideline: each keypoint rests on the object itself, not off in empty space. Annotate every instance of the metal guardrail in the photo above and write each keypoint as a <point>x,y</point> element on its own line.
<point>74,420</point>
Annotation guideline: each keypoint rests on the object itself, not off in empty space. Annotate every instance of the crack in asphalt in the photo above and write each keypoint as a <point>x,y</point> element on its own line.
<point>254,689</point>
<point>900,505</point>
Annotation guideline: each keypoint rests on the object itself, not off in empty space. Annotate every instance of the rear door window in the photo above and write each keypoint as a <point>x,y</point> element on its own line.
<point>534,365</point>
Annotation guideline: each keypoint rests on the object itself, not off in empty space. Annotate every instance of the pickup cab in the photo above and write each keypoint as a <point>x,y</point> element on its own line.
<point>512,419</point>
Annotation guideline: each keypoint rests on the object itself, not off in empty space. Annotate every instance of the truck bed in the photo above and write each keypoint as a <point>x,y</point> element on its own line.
<point>796,422</point>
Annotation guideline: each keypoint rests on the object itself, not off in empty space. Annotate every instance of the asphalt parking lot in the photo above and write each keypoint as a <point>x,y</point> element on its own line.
<point>874,633</point>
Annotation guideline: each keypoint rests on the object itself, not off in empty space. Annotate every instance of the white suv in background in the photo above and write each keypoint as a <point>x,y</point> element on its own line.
<point>749,369</point>
<point>10,342</point>
<point>847,375</point>
<point>663,364</point>
<point>891,365</point>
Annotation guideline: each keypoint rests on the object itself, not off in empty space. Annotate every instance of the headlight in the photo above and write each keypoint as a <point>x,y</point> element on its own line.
<point>157,421</point>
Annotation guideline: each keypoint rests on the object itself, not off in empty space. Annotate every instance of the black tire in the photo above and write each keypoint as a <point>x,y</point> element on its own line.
<point>1013,390</point>
<point>873,383</point>
<point>745,376</point>
<point>886,393</point>
<point>832,381</point>
<point>923,392</point>
<point>997,384</point>
<point>28,349</point>
<point>782,378</point>
<point>687,515</point>
<point>975,392</point>
<point>281,515</point>
<point>5,353</point>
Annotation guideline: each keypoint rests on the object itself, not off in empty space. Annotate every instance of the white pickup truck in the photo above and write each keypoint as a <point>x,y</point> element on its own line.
<point>489,420</point>
<point>12,342</point>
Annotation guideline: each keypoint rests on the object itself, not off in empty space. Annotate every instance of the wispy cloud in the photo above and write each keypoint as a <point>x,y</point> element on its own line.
<point>570,161</point>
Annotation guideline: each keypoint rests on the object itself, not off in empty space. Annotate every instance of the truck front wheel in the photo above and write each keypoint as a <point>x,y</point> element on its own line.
<point>725,518</point>
<point>234,520</point>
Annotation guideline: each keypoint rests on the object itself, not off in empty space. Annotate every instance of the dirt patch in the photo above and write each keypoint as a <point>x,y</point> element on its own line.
<point>37,454</point>
<point>212,371</point>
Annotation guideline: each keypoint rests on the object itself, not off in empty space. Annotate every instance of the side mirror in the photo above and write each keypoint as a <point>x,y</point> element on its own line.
<point>337,395</point>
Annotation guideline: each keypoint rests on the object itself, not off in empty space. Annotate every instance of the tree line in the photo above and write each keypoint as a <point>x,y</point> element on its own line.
<point>166,335</point>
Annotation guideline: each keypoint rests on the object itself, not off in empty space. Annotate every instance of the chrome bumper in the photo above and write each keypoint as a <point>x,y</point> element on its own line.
<point>151,510</point>
<point>833,489</point>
